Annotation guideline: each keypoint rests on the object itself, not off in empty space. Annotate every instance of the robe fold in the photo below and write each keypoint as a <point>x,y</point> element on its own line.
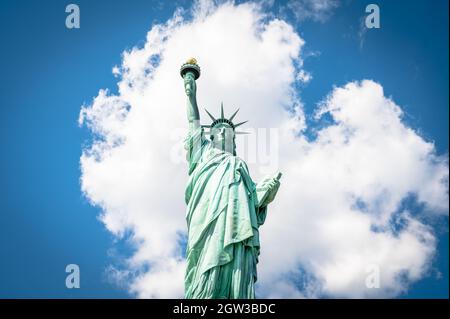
<point>223,219</point>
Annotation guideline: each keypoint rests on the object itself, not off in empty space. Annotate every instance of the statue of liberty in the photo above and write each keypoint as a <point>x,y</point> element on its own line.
<point>225,208</point>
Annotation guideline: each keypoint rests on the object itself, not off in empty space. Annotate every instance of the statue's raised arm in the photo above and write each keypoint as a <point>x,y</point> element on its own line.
<point>190,71</point>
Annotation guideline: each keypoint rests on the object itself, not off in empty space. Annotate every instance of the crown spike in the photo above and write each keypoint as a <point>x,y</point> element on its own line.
<point>222,119</point>
<point>212,117</point>
<point>234,114</point>
<point>236,125</point>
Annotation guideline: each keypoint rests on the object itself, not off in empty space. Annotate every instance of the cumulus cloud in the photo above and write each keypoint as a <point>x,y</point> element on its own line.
<point>341,205</point>
<point>342,192</point>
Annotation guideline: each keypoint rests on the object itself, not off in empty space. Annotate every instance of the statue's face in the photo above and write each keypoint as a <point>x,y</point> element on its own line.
<point>222,136</point>
<point>189,83</point>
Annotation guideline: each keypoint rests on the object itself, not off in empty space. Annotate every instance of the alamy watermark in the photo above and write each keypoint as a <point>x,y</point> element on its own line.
<point>73,19</point>
<point>73,277</point>
<point>373,18</point>
<point>373,276</point>
<point>259,146</point>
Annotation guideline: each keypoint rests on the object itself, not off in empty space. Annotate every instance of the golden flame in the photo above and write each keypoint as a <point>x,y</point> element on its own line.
<point>191,61</point>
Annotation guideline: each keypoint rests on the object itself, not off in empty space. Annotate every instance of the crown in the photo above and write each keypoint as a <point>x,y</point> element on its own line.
<point>222,119</point>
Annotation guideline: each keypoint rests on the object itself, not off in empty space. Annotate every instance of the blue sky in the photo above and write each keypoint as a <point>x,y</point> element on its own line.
<point>49,71</point>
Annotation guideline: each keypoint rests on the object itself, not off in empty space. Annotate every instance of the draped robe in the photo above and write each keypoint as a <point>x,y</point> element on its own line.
<point>223,218</point>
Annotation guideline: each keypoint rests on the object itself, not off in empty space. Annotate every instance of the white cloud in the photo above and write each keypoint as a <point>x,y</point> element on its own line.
<point>304,76</point>
<point>370,157</point>
<point>316,10</point>
<point>315,234</point>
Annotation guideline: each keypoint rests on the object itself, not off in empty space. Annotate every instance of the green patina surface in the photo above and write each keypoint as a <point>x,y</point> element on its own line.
<point>225,208</point>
